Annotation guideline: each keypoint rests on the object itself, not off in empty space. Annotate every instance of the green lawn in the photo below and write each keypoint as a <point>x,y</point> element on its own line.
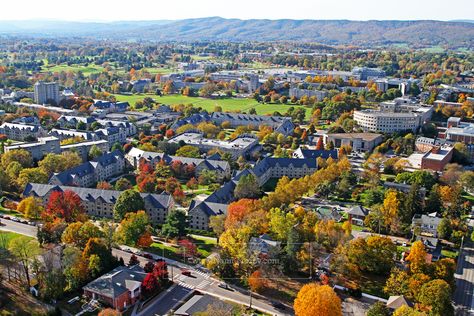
<point>86,70</point>
<point>204,248</point>
<point>10,235</point>
<point>229,105</point>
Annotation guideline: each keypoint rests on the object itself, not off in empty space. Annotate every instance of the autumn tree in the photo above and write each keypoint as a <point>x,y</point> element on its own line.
<point>133,260</point>
<point>417,257</point>
<point>317,300</point>
<point>24,250</point>
<point>109,312</point>
<point>30,207</point>
<point>65,205</point>
<point>256,281</point>
<point>79,233</point>
<point>436,295</point>
<point>133,227</point>
<point>150,285</point>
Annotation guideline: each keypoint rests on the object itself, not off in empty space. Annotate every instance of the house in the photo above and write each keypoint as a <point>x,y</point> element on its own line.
<point>328,213</point>
<point>100,203</point>
<point>263,245</point>
<point>396,301</point>
<point>432,246</point>
<point>89,173</point>
<point>428,224</point>
<point>314,154</point>
<point>119,288</point>
<point>403,187</point>
<point>357,215</point>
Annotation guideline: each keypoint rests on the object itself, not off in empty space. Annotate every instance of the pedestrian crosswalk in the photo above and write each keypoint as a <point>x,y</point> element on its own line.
<point>204,274</point>
<point>188,286</point>
<point>204,284</point>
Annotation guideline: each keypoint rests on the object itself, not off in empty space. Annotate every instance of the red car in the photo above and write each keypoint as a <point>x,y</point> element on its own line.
<point>185,272</point>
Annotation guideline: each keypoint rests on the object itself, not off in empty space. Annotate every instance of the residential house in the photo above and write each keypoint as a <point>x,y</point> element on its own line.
<point>357,215</point>
<point>119,288</point>
<point>427,224</point>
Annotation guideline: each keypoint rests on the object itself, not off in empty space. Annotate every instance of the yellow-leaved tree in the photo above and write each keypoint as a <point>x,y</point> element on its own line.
<point>317,300</point>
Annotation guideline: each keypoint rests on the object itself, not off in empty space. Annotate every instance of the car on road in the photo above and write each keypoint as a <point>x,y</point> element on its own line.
<point>278,305</point>
<point>15,219</point>
<point>225,286</point>
<point>185,272</point>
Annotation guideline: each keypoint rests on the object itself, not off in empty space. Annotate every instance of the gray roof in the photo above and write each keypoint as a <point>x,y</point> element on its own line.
<point>117,281</point>
<point>358,210</point>
<point>86,194</point>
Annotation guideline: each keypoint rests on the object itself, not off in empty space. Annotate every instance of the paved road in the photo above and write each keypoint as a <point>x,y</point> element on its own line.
<point>463,296</point>
<point>19,228</point>
<point>200,281</point>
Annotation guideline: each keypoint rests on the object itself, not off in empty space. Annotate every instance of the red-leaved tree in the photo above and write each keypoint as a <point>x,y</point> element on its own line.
<point>150,285</point>
<point>66,205</point>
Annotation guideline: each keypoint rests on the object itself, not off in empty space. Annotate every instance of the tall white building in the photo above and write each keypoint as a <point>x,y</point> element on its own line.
<point>46,91</point>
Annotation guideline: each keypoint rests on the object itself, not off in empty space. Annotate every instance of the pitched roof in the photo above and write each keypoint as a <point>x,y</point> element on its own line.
<point>117,281</point>
<point>397,301</point>
<point>86,194</point>
<point>358,210</point>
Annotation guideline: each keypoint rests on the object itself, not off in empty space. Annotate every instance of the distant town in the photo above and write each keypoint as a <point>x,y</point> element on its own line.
<point>224,178</point>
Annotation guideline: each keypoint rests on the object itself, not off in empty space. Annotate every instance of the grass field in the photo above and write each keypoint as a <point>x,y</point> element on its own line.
<point>86,70</point>
<point>229,105</point>
<point>9,236</point>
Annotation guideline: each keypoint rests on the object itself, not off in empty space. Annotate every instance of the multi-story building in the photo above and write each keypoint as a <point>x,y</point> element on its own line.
<point>89,173</point>
<point>201,210</point>
<point>100,203</point>
<point>71,121</point>
<point>366,73</point>
<point>40,148</point>
<point>83,148</point>
<point>318,94</point>
<point>45,92</point>
<point>358,141</point>
<point>63,134</point>
<point>458,131</point>
<point>243,145</point>
<point>220,167</point>
<point>280,124</point>
<point>21,131</point>
<point>393,117</point>
<point>112,135</point>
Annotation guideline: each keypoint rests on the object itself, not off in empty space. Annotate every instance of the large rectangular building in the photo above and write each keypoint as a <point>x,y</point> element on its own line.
<point>45,92</point>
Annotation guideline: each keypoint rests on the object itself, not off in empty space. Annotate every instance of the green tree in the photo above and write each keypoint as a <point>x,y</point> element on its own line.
<point>444,229</point>
<point>25,250</point>
<point>247,187</point>
<point>127,202</point>
<point>95,152</point>
<point>378,309</point>
<point>132,227</point>
<point>188,151</point>
<point>31,175</point>
<point>437,295</point>
<point>175,224</point>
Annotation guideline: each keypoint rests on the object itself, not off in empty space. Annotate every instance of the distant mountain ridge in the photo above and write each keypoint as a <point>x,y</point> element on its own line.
<point>335,32</point>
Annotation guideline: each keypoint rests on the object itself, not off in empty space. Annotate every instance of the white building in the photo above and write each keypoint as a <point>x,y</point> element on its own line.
<point>39,149</point>
<point>393,117</point>
<point>46,91</point>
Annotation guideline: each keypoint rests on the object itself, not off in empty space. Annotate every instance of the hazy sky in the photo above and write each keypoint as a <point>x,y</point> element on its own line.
<point>114,10</point>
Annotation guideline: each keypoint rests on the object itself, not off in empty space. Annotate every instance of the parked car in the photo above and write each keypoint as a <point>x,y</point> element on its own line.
<point>225,286</point>
<point>148,256</point>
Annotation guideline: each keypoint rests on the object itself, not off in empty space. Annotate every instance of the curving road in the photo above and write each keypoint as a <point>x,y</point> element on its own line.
<point>19,228</point>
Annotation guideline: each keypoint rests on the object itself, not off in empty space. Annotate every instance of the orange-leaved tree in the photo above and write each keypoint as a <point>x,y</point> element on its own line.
<point>317,300</point>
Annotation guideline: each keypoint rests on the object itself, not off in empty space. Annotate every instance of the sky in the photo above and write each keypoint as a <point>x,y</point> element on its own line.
<point>119,10</point>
